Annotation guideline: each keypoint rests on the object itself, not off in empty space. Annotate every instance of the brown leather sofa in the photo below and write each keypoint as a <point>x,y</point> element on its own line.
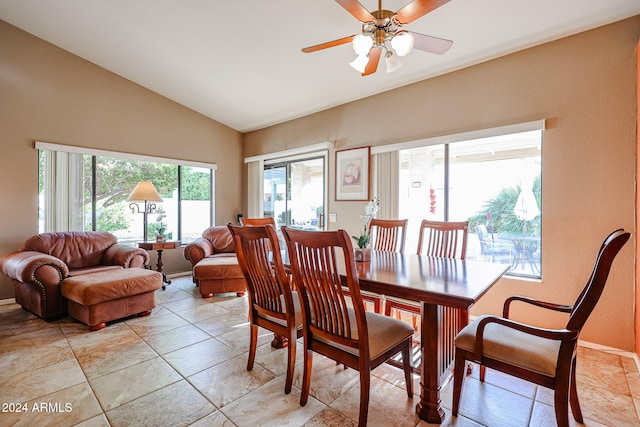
<point>46,260</point>
<point>214,263</point>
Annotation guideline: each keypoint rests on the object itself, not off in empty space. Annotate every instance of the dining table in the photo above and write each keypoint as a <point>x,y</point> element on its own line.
<point>446,289</point>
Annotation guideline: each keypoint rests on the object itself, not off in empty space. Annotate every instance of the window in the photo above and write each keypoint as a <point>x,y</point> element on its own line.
<point>294,193</point>
<point>88,191</point>
<point>493,182</point>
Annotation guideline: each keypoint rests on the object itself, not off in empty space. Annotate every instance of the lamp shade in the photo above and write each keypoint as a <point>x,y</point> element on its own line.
<point>392,63</point>
<point>402,43</point>
<point>362,44</point>
<point>360,63</point>
<point>144,192</point>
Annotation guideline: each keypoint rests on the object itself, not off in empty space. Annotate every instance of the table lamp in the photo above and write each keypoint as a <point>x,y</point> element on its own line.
<point>144,192</point>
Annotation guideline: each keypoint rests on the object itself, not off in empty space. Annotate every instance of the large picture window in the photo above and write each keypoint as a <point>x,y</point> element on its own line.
<point>294,193</point>
<point>494,183</point>
<point>80,191</point>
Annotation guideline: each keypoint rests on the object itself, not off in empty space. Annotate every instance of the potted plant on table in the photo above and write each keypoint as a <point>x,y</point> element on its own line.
<point>161,229</point>
<point>363,252</point>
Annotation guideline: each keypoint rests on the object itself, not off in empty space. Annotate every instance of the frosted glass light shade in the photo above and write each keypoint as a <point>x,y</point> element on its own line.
<point>362,44</point>
<point>392,63</point>
<point>360,63</point>
<point>402,43</point>
<point>144,192</point>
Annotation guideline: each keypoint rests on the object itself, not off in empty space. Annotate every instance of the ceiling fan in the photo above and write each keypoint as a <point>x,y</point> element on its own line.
<point>382,30</point>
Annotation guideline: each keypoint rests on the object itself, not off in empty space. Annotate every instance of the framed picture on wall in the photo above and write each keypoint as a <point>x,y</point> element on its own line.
<point>352,174</point>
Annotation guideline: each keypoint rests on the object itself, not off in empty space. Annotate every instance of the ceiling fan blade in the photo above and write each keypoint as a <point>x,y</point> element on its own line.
<point>357,10</point>
<point>416,9</point>
<point>328,44</point>
<point>431,44</point>
<point>374,59</point>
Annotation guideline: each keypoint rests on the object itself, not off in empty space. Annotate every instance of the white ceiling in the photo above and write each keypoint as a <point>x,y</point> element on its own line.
<point>239,61</point>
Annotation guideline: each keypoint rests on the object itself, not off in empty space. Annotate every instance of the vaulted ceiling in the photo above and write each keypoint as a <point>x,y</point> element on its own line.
<point>240,61</point>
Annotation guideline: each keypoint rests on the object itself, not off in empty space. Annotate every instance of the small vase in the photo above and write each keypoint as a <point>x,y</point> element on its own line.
<point>161,238</point>
<point>362,254</point>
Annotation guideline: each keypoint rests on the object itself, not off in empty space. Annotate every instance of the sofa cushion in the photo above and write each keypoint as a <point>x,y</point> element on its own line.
<point>94,269</point>
<point>220,238</point>
<point>90,289</point>
<point>77,249</point>
<point>221,266</point>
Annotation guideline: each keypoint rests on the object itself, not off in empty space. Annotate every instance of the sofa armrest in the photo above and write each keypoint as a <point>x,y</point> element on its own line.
<point>125,256</point>
<point>34,267</point>
<point>197,250</point>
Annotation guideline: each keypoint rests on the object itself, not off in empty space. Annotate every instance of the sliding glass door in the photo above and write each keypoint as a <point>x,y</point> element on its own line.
<point>294,193</point>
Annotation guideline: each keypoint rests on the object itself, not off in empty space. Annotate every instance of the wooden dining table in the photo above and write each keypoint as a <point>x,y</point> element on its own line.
<point>446,289</point>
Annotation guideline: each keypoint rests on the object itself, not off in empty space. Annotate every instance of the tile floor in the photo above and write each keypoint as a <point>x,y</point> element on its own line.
<point>186,365</point>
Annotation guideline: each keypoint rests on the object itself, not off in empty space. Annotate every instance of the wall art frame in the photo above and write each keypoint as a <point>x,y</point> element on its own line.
<point>353,174</point>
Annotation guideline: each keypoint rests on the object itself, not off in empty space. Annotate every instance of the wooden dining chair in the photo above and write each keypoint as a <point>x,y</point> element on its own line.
<point>347,334</point>
<point>257,221</point>
<point>546,357</point>
<point>437,238</point>
<point>273,305</point>
<point>444,239</point>
<point>388,235</point>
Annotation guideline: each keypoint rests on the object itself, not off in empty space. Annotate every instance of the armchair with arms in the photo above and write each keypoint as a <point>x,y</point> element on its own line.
<point>546,357</point>
<point>214,263</point>
<point>45,260</point>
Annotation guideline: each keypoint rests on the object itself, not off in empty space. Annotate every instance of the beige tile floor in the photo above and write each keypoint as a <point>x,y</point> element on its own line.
<point>186,365</point>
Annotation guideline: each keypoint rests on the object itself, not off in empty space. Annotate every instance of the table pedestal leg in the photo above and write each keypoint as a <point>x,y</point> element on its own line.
<point>279,341</point>
<point>428,408</point>
<point>440,325</point>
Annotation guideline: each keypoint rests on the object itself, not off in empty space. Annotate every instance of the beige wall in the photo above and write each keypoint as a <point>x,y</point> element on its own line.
<point>49,95</point>
<point>584,86</point>
<point>637,299</point>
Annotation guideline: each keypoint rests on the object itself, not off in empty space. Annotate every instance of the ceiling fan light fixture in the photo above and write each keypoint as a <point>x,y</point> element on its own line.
<point>360,63</point>
<point>362,44</point>
<point>402,43</point>
<point>392,63</point>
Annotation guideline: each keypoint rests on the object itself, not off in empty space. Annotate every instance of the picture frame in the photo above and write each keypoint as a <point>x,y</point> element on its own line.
<point>352,174</point>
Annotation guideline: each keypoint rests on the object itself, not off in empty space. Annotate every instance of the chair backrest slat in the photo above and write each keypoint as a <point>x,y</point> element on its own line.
<point>267,281</point>
<point>443,239</point>
<point>315,257</point>
<point>388,235</point>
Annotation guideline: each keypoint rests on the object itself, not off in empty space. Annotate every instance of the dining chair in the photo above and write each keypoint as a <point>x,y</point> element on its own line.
<point>257,221</point>
<point>273,305</point>
<point>437,238</point>
<point>444,239</point>
<point>350,335</point>
<point>388,235</point>
<point>546,357</point>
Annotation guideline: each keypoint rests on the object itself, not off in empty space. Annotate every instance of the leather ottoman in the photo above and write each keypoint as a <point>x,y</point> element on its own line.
<point>219,274</point>
<point>97,298</point>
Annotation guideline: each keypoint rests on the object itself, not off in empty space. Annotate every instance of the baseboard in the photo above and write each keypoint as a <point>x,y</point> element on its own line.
<point>7,301</point>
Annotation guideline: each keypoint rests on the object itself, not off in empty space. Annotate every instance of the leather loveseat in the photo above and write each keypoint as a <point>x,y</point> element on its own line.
<point>214,263</point>
<point>46,260</point>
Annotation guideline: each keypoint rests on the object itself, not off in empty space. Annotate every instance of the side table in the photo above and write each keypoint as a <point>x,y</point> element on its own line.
<point>159,247</point>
